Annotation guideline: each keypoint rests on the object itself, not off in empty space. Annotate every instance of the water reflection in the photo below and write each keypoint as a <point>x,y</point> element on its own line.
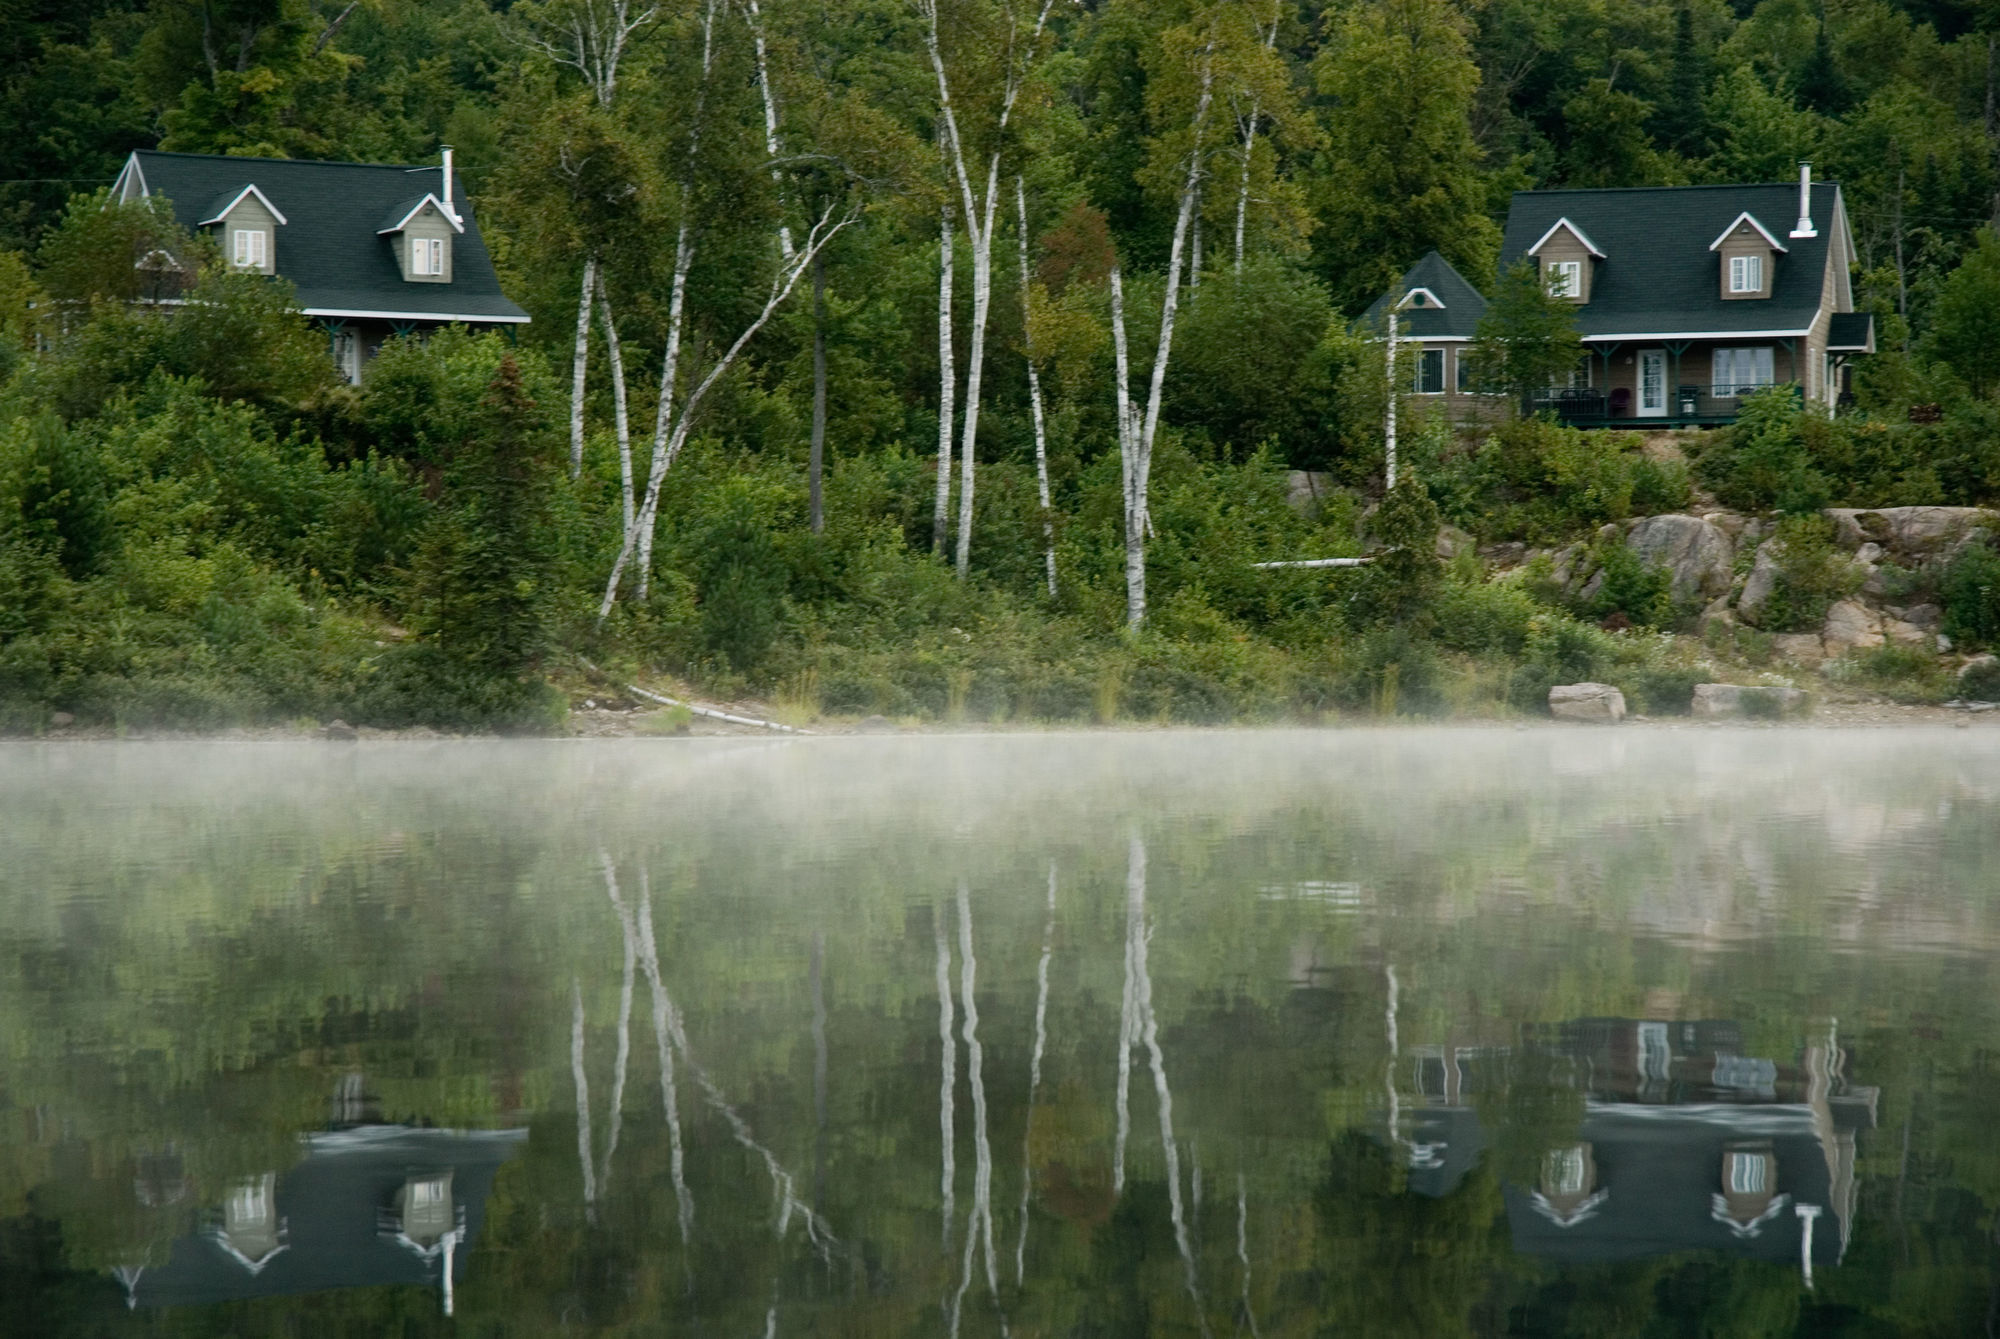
<point>1424,1035</point>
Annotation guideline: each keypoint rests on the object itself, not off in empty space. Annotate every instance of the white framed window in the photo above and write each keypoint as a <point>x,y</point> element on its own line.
<point>1746,274</point>
<point>1430,372</point>
<point>427,256</point>
<point>424,1193</point>
<point>247,248</point>
<point>1565,278</point>
<point>1742,371</point>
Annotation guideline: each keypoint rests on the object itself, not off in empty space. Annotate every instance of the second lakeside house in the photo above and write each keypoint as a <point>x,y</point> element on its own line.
<point>1688,299</point>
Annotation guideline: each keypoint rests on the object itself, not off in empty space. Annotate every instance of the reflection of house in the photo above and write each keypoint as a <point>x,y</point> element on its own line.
<point>377,1204</point>
<point>1685,1143</point>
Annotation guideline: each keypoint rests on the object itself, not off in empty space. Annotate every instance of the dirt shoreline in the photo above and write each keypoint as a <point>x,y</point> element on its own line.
<point>613,720</point>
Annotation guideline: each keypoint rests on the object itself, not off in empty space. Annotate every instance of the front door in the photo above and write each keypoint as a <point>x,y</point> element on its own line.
<point>1652,383</point>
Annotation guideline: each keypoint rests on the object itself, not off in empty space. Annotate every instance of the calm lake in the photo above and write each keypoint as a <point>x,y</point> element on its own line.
<point>1412,1033</point>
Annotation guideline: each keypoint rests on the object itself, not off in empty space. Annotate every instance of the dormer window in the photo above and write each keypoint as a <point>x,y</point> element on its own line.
<point>248,248</point>
<point>1747,250</point>
<point>1565,278</point>
<point>421,232</point>
<point>427,256</point>
<point>1566,255</point>
<point>1746,274</point>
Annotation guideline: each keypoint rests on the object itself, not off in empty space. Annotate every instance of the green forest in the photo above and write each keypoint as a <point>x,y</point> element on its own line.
<point>846,291</point>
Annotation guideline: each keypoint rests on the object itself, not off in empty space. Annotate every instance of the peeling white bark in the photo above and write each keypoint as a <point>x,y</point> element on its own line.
<point>1035,395</point>
<point>621,414</point>
<point>947,387</point>
<point>580,364</point>
<point>755,19</point>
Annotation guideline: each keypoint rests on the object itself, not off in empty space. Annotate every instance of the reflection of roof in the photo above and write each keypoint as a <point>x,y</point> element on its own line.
<point>331,1202</point>
<point>1661,1168</point>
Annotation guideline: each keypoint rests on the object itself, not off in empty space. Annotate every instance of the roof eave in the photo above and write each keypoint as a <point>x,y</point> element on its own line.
<point>237,199</point>
<point>1723,236</point>
<point>450,216</point>
<point>1574,231</point>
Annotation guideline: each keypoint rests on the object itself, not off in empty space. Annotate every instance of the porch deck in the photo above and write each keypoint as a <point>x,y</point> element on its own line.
<point>1693,405</point>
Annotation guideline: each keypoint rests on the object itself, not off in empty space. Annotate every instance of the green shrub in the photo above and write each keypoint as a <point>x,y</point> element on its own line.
<point>1537,480</point>
<point>1762,461</point>
<point>1663,690</point>
<point>1900,673</point>
<point>1980,681</point>
<point>1628,585</point>
<point>1559,650</point>
<point>1485,617</point>
<point>1970,591</point>
<point>1813,573</point>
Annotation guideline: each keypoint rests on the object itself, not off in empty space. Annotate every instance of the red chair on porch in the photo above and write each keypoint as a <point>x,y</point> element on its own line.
<point>1621,401</point>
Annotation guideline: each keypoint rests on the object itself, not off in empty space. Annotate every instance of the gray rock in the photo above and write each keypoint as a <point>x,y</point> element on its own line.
<point>1728,522</point>
<point>1306,491</point>
<point>1899,633</point>
<point>1850,626</point>
<point>1803,648</point>
<point>1724,701</point>
<point>1717,615</point>
<point>338,729</point>
<point>1762,581</point>
<point>61,720</point>
<point>1499,556</point>
<point>1868,554</point>
<point>1567,565</point>
<point>1697,553</point>
<point>1452,541</point>
<point>1914,532</point>
<point>876,725</point>
<point>1926,616</point>
<point>1979,679</point>
<point>1586,702</point>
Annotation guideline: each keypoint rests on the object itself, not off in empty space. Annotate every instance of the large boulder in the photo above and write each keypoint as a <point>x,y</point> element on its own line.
<point>1762,582</point>
<point>1801,648</point>
<point>1908,532</point>
<point>1697,553</point>
<point>1586,702</point>
<point>1979,679</point>
<point>1850,626</point>
<point>1724,701</point>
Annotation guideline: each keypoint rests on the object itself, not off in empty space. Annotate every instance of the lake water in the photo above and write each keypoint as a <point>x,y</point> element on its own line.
<point>1418,1033</point>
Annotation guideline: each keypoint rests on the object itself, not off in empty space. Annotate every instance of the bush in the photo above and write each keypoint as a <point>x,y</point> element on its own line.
<point>1762,461</point>
<point>1536,480</point>
<point>1559,650</point>
<point>1980,681</point>
<point>1900,673</point>
<point>1970,591</point>
<point>1628,587</point>
<point>1813,573</point>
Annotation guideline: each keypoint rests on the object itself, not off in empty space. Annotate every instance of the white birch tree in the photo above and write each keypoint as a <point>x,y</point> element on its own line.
<point>979,202</point>
<point>1035,392</point>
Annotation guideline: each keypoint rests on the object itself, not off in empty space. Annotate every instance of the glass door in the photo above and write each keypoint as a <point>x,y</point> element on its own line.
<point>1652,383</point>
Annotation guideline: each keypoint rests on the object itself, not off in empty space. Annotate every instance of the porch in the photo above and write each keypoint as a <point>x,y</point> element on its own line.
<point>1690,405</point>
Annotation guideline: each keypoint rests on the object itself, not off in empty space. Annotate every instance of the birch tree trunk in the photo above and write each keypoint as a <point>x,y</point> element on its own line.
<point>755,18</point>
<point>579,365</point>
<point>1035,394</point>
<point>1137,442</point>
<point>947,388</point>
<point>1249,131</point>
<point>816,454</point>
<point>621,414</point>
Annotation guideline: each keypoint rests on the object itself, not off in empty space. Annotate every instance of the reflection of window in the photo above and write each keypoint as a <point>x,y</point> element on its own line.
<point>1565,1172</point>
<point>347,356</point>
<point>1746,274</point>
<point>1430,372</point>
<point>423,1193</point>
<point>1654,1054</point>
<point>248,249</point>
<point>1748,1173</point>
<point>250,1202</point>
<point>1740,371</point>
<point>1565,278</point>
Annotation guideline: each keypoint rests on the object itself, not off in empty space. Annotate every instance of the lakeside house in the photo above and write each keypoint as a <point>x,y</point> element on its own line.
<point>1688,299</point>
<point>373,250</point>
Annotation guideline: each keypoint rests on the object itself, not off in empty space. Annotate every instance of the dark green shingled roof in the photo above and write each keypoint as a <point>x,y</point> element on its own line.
<point>329,247</point>
<point>1456,319</point>
<point>1658,275</point>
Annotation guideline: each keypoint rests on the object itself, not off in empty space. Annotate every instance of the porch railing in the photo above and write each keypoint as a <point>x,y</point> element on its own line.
<point>1719,400</point>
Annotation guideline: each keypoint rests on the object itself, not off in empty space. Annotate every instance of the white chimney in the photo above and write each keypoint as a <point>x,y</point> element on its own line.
<point>1805,225</point>
<point>452,209</point>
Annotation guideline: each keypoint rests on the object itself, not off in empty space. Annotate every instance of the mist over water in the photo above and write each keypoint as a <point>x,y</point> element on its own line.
<point>1383,1032</point>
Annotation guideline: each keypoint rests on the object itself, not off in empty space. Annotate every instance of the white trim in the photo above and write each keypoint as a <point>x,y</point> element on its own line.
<point>1751,267</point>
<point>251,189</point>
<point>131,169</point>
<point>1571,272</point>
<point>1640,409</point>
<point>1436,302</point>
<point>441,319</point>
<point>1575,232</point>
<point>1699,334</point>
<point>1776,245</point>
<point>450,216</point>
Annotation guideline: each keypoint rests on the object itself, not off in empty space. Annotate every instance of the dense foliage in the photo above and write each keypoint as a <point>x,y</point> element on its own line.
<point>198,525</point>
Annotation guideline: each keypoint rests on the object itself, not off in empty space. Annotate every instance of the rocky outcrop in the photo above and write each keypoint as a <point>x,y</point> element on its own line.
<point>1697,554</point>
<point>1724,701</point>
<point>1802,648</point>
<point>1850,626</point>
<point>1909,533</point>
<point>1598,702</point>
<point>1762,582</point>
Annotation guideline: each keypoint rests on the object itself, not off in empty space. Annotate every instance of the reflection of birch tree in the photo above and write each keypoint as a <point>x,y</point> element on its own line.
<point>947,1078</point>
<point>1143,1028</point>
<point>979,1220</point>
<point>1035,1078</point>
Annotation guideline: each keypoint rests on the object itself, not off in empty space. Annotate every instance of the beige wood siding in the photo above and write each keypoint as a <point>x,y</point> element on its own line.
<point>249,213</point>
<point>1745,240</point>
<point>1564,246</point>
<point>426,224</point>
